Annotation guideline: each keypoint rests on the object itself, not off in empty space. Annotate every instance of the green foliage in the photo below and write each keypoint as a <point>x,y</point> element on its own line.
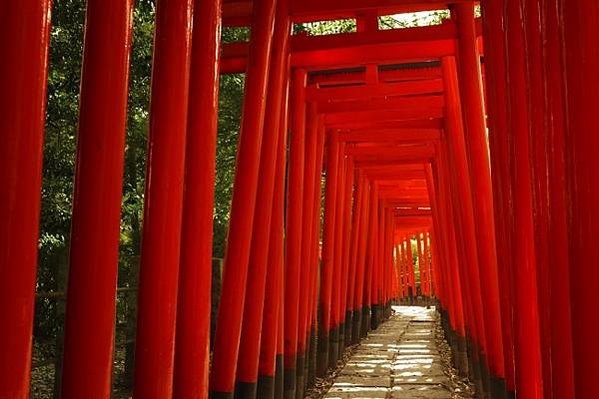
<point>326,27</point>
<point>230,104</point>
<point>412,20</point>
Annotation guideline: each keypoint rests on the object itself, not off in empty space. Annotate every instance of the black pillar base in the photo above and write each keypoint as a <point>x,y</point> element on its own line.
<point>279,377</point>
<point>312,356</point>
<point>375,315</point>
<point>349,326</point>
<point>341,340</point>
<point>333,347</point>
<point>300,377</point>
<point>462,356</point>
<point>485,375</point>
<point>322,361</point>
<point>246,390</point>
<point>498,389</point>
<point>289,382</point>
<point>365,321</point>
<point>266,387</point>
<point>221,395</point>
<point>356,326</point>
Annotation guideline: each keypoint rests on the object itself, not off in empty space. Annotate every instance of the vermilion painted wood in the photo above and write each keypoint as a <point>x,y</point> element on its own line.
<point>441,289</point>
<point>161,242</point>
<point>315,253</point>
<point>249,350</point>
<point>273,300</point>
<point>434,123</point>
<point>451,224</point>
<point>355,238</point>
<point>347,228</point>
<point>529,382</point>
<point>238,12</point>
<point>95,230</point>
<point>370,244</point>
<point>362,249</point>
<point>235,59</point>
<point>460,253</point>
<point>295,189</point>
<point>338,255</point>
<point>398,90</point>
<point>337,7</point>
<point>427,265</point>
<point>559,265</point>
<point>391,136</point>
<point>539,177</point>
<point>463,196</point>
<point>328,249</point>
<point>310,177</point>
<point>192,349</point>
<point>421,270</point>
<point>379,104</point>
<point>579,27</point>
<point>229,320</point>
<point>341,119</point>
<point>480,177</point>
<point>24,37</point>
<point>376,256</point>
<point>355,76</point>
<point>495,72</point>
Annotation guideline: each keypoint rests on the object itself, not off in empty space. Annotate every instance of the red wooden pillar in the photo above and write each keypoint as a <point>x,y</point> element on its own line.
<point>410,264</point>
<point>390,264</point>
<point>315,255</point>
<point>464,210</point>
<point>24,36</point>
<point>295,190</point>
<point>539,178</point>
<point>427,266</point>
<point>361,263</point>
<point>376,256</point>
<point>354,252</point>
<point>400,262</point>
<point>90,311</point>
<point>271,348</point>
<point>581,61</point>
<point>271,360</point>
<point>370,256</point>
<point>305,245</point>
<point>404,260</point>
<point>192,349</point>
<point>229,322</point>
<point>328,252</point>
<point>460,305</point>
<point>337,260</point>
<point>559,264</point>
<point>529,381</point>
<point>421,267</point>
<point>249,350</point>
<point>499,142</point>
<point>161,244</point>
<point>480,177</point>
<point>345,255</point>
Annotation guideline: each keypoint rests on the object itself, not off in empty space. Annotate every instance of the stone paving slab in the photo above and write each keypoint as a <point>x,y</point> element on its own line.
<point>418,391</point>
<point>399,360</point>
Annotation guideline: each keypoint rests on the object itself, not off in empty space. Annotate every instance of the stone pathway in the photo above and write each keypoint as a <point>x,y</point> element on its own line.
<point>398,360</point>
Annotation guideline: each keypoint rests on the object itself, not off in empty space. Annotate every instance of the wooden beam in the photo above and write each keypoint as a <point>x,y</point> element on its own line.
<point>361,117</point>
<point>397,103</point>
<point>401,135</point>
<point>380,90</point>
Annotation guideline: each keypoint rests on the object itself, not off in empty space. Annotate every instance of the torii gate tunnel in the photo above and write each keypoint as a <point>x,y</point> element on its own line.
<point>469,146</point>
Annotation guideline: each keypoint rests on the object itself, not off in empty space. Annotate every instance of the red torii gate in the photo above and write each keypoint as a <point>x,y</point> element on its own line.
<point>504,244</point>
